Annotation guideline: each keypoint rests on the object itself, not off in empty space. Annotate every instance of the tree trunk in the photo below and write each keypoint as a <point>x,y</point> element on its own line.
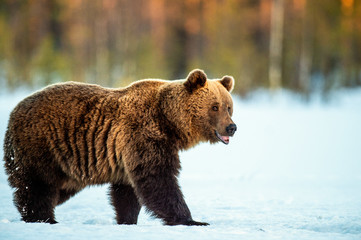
<point>276,44</point>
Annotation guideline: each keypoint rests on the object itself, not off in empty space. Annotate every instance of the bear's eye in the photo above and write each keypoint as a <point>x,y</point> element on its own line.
<point>229,109</point>
<point>215,108</point>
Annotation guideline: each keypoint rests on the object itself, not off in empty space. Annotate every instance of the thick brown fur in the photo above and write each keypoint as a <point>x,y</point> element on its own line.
<point>71,135</point>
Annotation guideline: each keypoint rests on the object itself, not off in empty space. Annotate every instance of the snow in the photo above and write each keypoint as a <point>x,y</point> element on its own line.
<point>292,171</point>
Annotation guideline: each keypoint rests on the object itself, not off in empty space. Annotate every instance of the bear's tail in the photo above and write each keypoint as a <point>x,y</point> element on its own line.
<point>9,156</point>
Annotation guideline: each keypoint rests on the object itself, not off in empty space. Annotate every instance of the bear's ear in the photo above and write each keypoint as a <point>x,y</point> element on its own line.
<point>196,79</point>
<point>228,83</point>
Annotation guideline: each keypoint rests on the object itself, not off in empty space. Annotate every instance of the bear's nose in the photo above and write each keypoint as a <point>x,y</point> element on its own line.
<point>231,129</point>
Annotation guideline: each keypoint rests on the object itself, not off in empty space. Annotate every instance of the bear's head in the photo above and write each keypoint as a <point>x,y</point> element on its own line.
<point>211,106</point>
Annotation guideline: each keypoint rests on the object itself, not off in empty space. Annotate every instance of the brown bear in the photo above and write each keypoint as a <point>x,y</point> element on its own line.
<point>72,135</point>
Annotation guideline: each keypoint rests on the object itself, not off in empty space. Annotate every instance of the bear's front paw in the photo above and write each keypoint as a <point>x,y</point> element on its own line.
<point>188,222</point>
<point>194,223</point>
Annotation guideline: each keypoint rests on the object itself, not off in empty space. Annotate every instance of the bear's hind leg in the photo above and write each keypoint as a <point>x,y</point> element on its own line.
<point>125,203</point>
<point>36,201</point>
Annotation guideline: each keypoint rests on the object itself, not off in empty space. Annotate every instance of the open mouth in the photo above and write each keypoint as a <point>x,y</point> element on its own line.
<point>223,139</point>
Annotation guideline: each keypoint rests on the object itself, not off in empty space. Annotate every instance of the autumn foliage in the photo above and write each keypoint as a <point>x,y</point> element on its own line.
<point>303,45</point>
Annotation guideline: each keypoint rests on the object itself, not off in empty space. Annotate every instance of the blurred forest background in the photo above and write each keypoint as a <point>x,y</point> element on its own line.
<point>302,45</point>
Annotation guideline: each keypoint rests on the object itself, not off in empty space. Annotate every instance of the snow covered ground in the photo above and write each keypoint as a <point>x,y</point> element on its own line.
<point>292,171</point>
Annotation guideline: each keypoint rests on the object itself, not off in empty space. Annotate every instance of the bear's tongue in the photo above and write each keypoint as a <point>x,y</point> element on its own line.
<point>224,139</point>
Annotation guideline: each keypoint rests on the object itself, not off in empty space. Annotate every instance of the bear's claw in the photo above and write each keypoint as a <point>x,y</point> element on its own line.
<point>194,223</point>
<point>189,222</point>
